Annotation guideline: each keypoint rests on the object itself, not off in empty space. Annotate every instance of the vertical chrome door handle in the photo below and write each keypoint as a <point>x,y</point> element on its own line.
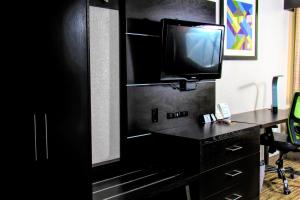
<point>46,132</point>
<point>187,192</point>
<point>35,139</point>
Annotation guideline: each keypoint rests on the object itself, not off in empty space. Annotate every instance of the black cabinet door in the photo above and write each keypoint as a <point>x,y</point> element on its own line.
<point>67,107</point>
<point>50,135</point>
<point>25,51</point>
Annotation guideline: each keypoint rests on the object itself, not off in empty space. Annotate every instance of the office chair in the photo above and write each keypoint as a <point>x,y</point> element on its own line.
<point>285,143</point>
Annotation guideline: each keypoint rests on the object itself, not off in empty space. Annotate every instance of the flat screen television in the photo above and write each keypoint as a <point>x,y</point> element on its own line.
<point>191,50</point>
<point>291,4</point>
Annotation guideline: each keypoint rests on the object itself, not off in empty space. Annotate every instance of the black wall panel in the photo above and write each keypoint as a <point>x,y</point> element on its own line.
<point>155,10</point>
<point>141,100</point>
<point>143,59</point>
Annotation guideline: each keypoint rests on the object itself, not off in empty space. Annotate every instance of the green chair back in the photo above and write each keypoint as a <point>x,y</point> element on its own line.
<point>294,120</point>
<point>297,108</point>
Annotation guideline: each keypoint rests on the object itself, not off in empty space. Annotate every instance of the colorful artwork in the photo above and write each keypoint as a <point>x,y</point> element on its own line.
<point>240,21</point>
<point>239,25</point>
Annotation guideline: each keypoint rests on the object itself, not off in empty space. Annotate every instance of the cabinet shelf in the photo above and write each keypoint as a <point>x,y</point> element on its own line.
<point>143,35</point>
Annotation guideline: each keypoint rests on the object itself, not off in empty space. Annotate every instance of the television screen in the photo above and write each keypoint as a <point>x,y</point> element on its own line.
<point>191,50</point>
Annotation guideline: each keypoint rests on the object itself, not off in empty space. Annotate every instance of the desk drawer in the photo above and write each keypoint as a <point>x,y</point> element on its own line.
<point>241,191</point>
<point>244,170</point>
<point>218,153</point>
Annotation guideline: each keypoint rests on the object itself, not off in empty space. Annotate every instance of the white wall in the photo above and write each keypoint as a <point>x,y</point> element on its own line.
<point>246,85</point>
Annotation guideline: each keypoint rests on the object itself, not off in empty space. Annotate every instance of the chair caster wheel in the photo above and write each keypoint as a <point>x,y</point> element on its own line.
<point>286,191</point>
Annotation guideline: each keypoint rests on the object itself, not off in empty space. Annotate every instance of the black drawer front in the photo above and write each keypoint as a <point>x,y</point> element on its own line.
<point>241,191</point>
<point>245,171</point>
<point>221,152</point>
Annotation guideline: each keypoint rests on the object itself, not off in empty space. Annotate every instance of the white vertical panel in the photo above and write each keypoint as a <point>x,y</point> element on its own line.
<point>104,69</point>
<point>218,11</point>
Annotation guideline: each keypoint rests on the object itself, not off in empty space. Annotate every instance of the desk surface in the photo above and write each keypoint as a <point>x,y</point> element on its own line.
<point>264,117</point>
<point>210,131</point>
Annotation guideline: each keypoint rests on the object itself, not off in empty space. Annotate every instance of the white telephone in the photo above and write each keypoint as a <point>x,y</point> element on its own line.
<point>223,111</point>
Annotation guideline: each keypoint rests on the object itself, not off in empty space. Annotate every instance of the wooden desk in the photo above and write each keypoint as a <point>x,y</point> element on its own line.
<point>266,119</point>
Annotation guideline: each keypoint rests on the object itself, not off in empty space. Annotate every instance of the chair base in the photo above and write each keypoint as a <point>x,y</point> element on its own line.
<point>286,170</point>
<point>281,174</point>
<point>281,171</point>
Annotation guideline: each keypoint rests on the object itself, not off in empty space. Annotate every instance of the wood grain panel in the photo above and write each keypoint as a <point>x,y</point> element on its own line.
<point>142,99</point>
<point>192,10</point>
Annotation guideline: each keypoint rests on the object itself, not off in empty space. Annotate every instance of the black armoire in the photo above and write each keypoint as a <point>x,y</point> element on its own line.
<point>47,53</point>
<point>50,94</point>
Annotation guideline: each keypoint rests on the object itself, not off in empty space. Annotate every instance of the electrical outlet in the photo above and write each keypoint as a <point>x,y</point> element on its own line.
<point>154,113</point>
<point>177,114</point>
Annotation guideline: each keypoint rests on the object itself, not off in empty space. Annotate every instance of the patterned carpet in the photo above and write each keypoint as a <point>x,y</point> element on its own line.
<point>273,187</point>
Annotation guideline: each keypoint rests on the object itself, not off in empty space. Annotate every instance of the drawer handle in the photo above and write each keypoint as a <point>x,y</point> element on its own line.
<point>234,197</point>
<point>233,173</point>
<point>234,148</point>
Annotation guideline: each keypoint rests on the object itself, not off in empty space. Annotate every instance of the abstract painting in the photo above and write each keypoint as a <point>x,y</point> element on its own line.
<point>240,20</point>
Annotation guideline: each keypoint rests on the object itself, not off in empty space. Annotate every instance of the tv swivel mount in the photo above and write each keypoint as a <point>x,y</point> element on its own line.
<point>185,85</point>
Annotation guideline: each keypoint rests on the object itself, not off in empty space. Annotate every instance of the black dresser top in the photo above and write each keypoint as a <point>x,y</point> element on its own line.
<point>209,131</point>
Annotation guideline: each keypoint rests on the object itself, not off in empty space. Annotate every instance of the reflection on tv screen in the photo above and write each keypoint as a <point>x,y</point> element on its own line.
<point>191,50</point>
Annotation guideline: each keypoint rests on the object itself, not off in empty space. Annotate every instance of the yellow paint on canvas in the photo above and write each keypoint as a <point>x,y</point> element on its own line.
<point>240,19</point>
<point>238,44</point>
<point>244,13</point>
<point>235,21</point>
<point>249,42</point>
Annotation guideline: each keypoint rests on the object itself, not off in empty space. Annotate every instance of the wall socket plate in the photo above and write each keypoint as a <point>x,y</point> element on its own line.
<point>177,114</point>
<point>154,115</point>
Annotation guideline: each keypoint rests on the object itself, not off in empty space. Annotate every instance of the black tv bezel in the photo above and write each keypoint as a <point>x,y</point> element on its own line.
<point>195,76</point>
